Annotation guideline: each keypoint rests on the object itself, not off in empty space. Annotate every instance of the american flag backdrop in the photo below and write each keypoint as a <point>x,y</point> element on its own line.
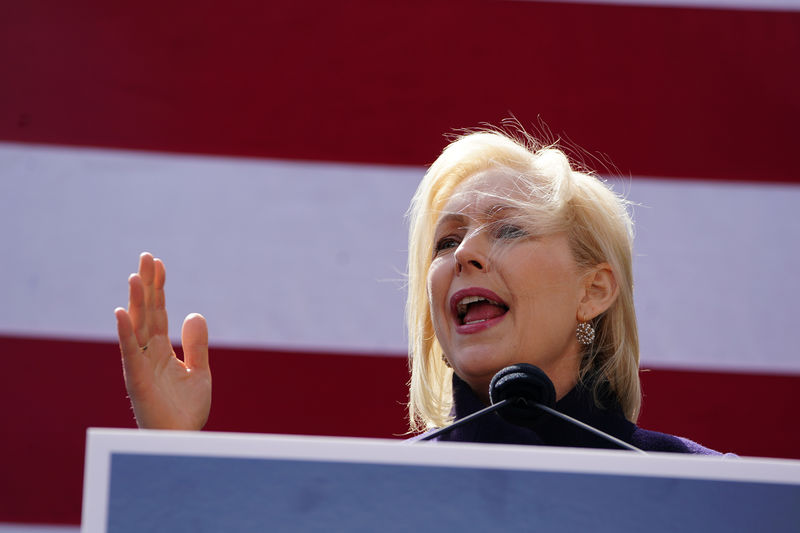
<point>267,151</point>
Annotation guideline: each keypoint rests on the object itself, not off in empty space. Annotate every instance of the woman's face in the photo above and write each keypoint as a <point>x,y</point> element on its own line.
<point>499,294</point>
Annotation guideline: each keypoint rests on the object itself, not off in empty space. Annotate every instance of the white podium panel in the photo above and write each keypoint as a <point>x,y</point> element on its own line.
<point>195,482</point>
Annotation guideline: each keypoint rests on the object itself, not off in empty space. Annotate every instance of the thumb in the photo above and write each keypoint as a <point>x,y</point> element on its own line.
<point>194,338</point>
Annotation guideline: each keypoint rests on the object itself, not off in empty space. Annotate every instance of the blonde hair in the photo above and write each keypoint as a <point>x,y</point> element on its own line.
<point>560,198</point>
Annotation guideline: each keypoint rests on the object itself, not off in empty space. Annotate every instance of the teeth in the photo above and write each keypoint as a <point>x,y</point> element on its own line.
<point>475,321</point>
<point>462,305</point>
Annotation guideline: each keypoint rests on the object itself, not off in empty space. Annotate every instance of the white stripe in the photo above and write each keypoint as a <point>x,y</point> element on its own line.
<point>749,5</point>
<point>310,256</point>
<point>716,274</point>
<point>273,253</point>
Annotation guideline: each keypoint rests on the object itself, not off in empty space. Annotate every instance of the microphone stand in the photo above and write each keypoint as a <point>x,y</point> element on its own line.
<point>467,419</point>
<point>587,427</point>
<point>522,401</point>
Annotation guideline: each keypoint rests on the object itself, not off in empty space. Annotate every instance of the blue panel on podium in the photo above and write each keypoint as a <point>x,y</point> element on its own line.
<point>253,483</point>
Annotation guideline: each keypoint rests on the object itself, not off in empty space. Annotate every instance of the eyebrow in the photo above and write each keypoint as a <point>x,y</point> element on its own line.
<point>494,210</point>
<point>490,212</point>
<point>449,219</point>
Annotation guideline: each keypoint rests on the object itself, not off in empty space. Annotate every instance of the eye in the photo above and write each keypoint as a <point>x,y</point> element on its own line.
<point>445,243</point>
<point>509,231</point>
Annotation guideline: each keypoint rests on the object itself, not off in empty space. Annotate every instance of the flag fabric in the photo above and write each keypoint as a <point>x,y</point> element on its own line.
<point>268,153</point>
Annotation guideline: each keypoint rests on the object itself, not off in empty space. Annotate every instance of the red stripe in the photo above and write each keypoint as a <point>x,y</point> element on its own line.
<point>664,91</point>
<point>51,391</point>
<point>747,414</point>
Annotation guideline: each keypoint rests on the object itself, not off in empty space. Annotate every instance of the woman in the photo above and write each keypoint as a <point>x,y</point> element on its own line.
<point>514,257</point>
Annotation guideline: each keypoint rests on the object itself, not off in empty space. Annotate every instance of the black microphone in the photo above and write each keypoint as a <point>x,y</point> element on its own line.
<point>527,393</point>
<point>527,387</point>
<point>521,394</point>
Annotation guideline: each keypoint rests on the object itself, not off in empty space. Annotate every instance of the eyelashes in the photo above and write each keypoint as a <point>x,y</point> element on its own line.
<point>510,231</point>
<point>445,243</point>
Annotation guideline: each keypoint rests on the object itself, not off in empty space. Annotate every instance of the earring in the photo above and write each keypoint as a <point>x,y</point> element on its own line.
<point>585,333</point>
<point>445,361</point>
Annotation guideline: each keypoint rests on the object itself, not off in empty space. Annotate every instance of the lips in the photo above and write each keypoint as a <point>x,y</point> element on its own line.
<point>476,308</point>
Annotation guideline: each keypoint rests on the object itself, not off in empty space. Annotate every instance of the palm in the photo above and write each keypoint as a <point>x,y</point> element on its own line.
<point>166,393</point>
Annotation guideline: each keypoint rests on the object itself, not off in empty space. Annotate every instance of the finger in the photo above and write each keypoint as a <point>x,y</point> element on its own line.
<point>146,267</point>
<point>138,309</point>
<point>128,345</point>
<point>147,273</point>
<point>157,322</point>
<point>194,337</point>
<point>159,274</point>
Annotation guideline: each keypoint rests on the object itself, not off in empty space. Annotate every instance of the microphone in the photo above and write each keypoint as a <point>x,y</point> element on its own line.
<point>521,394</point>
<point>532,393</point>
<point>527,387</point>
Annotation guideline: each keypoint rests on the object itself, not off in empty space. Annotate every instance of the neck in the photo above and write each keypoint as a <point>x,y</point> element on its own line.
<point>564,375</point>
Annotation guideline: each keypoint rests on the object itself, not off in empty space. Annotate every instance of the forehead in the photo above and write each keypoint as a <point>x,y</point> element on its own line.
<point>485,189</point>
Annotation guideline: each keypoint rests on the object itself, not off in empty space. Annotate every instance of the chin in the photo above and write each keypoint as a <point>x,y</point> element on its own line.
<point>479,369</point>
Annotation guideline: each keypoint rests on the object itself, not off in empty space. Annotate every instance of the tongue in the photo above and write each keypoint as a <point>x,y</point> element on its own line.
<point>482,311</point>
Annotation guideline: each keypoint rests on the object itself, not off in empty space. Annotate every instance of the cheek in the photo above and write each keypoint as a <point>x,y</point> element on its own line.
<point>547,291</point>
<point>437,289</point>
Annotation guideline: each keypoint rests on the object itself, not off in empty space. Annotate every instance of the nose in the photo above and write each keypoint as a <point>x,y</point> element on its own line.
<point>472,253</point>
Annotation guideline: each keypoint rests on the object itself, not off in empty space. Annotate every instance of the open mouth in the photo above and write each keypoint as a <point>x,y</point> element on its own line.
<point>475,308</point>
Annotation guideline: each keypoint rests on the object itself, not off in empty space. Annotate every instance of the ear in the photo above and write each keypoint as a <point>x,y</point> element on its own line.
<point>600,291</point>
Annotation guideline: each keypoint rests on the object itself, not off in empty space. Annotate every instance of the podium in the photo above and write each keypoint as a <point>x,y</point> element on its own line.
<point>138,480</point>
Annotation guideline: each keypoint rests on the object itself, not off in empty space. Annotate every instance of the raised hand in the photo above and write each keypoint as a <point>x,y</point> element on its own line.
<point>166,393</point>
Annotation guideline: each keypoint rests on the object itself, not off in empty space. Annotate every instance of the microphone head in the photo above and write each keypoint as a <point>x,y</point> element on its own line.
<point>527,383</point>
